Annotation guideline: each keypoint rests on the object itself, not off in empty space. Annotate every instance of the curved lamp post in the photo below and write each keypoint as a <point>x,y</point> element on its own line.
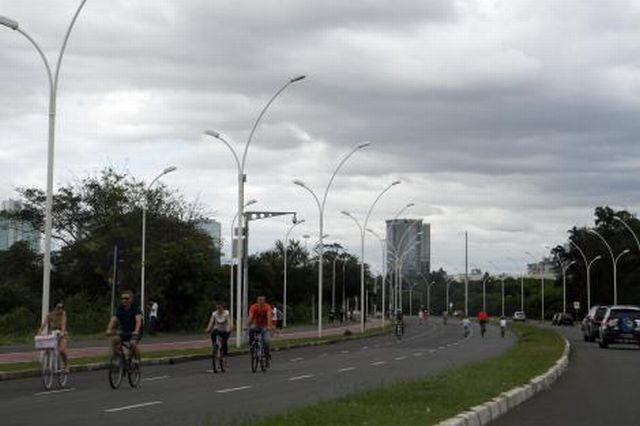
<point>363,234</point>
<point>541,283</point>
<point>614,259</point>
<point>144,235</point>
<point>598,257</point>
<point>240,163</point>
<point>53,94</point>
<point>383,244</point>
<point>564,284</point>
<point>501,285</point>
<point>321,206</point>
<point>233,224</point>
<point>284,292</point>
<point>626,225</point>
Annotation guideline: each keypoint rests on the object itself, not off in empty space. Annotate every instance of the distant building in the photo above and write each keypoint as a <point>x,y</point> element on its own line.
<point>12,231</point>
<point>410,241</point>
<point>212,228</point>
<point>546,267</point>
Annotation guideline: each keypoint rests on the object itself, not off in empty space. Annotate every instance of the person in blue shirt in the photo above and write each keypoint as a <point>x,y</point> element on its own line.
<point>128,317</point>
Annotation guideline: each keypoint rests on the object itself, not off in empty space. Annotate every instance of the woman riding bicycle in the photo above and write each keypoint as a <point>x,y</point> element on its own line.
<point>220,325</point>
<point>56,321</point>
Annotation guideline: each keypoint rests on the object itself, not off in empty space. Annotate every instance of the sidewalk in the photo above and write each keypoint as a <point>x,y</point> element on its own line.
<point>25,353</point>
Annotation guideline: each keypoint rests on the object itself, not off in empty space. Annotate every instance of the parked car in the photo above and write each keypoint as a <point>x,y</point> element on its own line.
<point>562,319</point>
<point>591,322</point>
<point>519,316</point>
<point>620,324</point>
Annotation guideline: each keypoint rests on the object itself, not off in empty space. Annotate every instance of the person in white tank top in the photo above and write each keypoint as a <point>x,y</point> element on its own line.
<point>220,325</point>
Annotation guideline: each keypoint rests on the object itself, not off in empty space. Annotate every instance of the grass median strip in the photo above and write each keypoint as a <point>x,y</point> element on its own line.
<point>433,399</point>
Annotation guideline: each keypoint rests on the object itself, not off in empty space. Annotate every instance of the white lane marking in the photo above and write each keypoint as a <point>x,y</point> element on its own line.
<point>344,352</point>
<point>431,351</point>
<point>400,358</point>
<point>378,363</point>
<point>306,376</point>
<point>150,379</point>
<point>418,354</point>
<point>296,359</point>
<point>364,348</point>
<point>54,391</point>
<point>342,370</point>
<point>441,347</point>
<point>131,407</point>
<point>322,355</point>
<point>234,389</point>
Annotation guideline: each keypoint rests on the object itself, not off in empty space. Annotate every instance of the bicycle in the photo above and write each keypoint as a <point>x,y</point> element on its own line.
<point>399,329</point>
<point>121,364</point>
<point>50,360</point>
<point>483,328</point>
<point>217,359</point>
<point>258,357</point>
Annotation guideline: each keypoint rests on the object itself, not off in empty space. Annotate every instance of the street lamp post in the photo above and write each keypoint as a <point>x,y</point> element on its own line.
<point>564,285</point>
<point>598,257</point>
<point>284,291</point>
<point>362,229</point>
<point>626,225</point>
<point>484,293</point>
<point>144,235</point>
<point>321,206</point>
<point>384,270</point>
<point>501,286</point>
<point>53,91</point>
<point>541,284</point>
<point>240,163</point>
<point>521,286</point>
<point>614,259</point>
<point>233,224</point>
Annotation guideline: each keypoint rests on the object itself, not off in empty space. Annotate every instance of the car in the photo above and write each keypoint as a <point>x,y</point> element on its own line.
<point>519,316</point>
<point>591,322</point>
<point>620,324</point>
<point>562,319</point>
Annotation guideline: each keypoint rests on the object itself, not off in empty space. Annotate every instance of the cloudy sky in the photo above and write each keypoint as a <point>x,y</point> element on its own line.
<point>507,119</point>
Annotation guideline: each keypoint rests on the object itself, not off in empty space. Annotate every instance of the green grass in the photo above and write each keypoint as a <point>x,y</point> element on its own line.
<point>172,353</point>
<point>430,400</point>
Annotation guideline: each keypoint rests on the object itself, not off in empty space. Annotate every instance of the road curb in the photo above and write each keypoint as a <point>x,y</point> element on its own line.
<point>491,410</point>
<point>177,359</point>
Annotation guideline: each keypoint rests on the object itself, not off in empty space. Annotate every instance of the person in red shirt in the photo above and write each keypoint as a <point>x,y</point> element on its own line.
<point>259,321</point>
<point>482,319</point>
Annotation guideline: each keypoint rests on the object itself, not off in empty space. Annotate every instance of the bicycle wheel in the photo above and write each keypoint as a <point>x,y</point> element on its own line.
<point>255,360</point>
<point>116,370</point>
<point>133,372</point>
<point>263,359</point>
<point>221,360</point>
<point>62,375</point>
<point>47,369</point>
<point>214,358</point>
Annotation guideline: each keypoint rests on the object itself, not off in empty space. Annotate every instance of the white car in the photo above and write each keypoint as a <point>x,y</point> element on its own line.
<point>519,316</point>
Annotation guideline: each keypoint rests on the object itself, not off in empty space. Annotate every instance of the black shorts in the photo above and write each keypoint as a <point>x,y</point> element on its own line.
<point>130,337</point>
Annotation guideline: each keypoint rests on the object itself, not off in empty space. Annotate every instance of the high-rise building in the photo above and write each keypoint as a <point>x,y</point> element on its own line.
<point>12,231</point>
<point>409,242</point>
<point>212,228</point>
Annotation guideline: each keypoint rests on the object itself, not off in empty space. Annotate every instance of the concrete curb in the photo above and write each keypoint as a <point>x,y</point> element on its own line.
<point>177,359</point>
<point>485,413</point>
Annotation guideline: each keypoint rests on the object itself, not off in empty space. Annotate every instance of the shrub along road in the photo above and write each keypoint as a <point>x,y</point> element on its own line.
<point>188,394</point>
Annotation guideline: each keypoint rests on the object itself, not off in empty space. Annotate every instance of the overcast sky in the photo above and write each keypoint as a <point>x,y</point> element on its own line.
<point>508,119</point>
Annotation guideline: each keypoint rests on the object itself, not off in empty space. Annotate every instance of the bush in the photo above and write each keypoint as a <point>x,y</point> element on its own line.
<point>19,321</point>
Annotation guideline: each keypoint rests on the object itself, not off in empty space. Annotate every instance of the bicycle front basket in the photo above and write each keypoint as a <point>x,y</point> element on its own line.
<point>49,341</point>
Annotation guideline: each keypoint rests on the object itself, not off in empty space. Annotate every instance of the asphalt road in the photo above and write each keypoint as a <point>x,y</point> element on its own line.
<point>601,387</point>
<point>188,394</point>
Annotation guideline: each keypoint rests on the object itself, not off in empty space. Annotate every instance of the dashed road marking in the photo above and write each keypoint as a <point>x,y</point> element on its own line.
<point>418,354</point>
<point>400,358</point>
<point>342,370</point>
<point>378,363</point>
<point>344,352</point>
<point>131,407</point>
<point>440,347</point>
<point>234,389</point>
<point>53,392</point>
<point>431,351</point>
<point>151,379</point>
<point>306,376</point>
<point>296,359</point>
<point>364,348</point>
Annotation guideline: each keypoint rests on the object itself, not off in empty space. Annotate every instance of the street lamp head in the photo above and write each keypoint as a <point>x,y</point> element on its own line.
<point>299,183</point>
<point>212,133</point>
<point>625,251</point>
<point>597,257</point>
<point>298,222</point>
<point>410,205</point>
<point>346,213</point>
<point>9,23</point>
<point>169,170</point>
<point>364,145</point>
<point>395,182</point>
<point>297,78</point>
<point>250,202</point>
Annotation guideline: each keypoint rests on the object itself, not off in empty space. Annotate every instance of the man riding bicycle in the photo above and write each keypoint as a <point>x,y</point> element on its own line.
<point>129,318</point>
<point>466,325</point>
<point>259,322</point>
<point>483,317</point>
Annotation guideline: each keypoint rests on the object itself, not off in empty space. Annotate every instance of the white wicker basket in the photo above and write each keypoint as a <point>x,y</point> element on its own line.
<point>49,341</point>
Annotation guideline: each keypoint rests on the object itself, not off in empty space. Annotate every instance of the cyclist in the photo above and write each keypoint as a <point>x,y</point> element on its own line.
<point>259,321</point>
<point>129,317</point>
<point>400,320</point>
<point>445,317</point>
<point>466,325</point>
<point>420,316</point>
<point>220,325</point>
<point>503,325</point>
<point>56,320</point>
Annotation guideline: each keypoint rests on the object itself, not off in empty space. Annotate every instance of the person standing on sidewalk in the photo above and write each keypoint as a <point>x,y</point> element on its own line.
<point>153,317</point>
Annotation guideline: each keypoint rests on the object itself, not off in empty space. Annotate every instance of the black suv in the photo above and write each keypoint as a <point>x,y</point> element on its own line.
<point>591,323</point>
<point>562,319</point>
<point>621,324</point>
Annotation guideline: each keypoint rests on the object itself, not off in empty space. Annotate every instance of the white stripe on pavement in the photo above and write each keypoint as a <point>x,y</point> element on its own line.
<point>54,391</point>
<point>296,359</point>
<point>418,354</point>
<point>131,407</point>
<point>400,358</point>
<point>378,363</point>
<point>306,376</point>
<point>342,370</point>
<point>150,379</point>
<point>234,389</point>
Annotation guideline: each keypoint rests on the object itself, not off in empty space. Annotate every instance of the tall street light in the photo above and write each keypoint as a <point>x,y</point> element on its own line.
<point>564,284</point>
<point>53,90</point>
<point>285,250</point>
<point>614,259</point>
<point>598,257</point>
<point>362,228</point>
<point>383,244</point>
<point>626,225</point>
<point>145,206</point>
<point>521,285</point>
<point>484,293</point>
<point>240,163</point>
<point>233,224</point>
<point>501,286</point>
<point>321,205</point>
<point>541,284</point>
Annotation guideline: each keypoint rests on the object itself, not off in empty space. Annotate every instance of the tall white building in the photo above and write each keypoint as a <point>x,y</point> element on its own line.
<point>409,242</point>
<point>12,231</point>
<point>212,228</point>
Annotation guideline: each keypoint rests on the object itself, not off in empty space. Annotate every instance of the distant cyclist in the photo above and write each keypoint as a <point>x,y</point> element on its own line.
<point>482,320</point>
<point>129,317</point>
<point>56,320</point>
<point>259,322</point>
<point>220,325</point>
<point>503,325</point>
<point>466,326</point>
